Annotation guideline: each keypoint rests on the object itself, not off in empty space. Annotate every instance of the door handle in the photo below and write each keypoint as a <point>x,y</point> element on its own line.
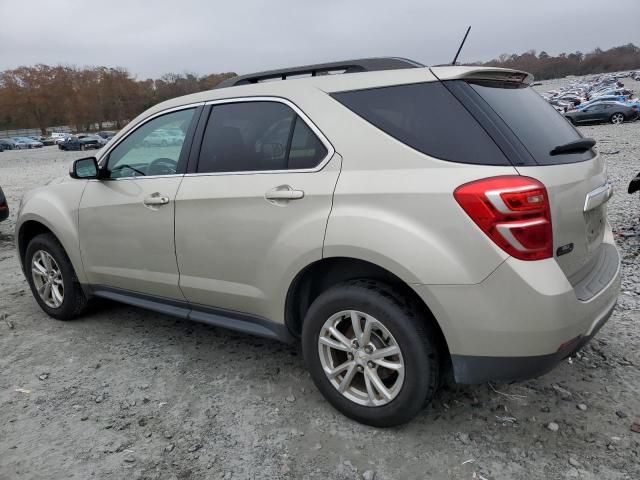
<point>156,199</point>
<point>284,192</point>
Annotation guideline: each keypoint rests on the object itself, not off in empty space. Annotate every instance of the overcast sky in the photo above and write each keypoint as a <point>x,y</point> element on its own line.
<point>153,37</point>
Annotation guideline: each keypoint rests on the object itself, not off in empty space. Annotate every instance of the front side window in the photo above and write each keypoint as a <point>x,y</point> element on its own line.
<point>152,149</point>
<point>257,136</point>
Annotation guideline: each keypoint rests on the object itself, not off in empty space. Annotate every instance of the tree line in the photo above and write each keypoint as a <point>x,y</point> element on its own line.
<point>544,66</point>
<point>44,96</point>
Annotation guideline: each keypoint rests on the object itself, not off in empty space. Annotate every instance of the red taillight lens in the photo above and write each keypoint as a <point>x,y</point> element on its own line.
<point>513,211</point>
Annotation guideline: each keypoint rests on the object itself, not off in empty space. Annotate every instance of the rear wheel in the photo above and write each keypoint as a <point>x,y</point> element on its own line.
<point>371,352</point>
<point>617,118</point>
<point>52,279</point>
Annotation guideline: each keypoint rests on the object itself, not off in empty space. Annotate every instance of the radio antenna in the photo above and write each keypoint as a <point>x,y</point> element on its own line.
<point>461,45</point>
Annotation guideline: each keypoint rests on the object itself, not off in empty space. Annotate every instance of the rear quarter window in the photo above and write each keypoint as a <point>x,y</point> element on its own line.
<point>428,118</point>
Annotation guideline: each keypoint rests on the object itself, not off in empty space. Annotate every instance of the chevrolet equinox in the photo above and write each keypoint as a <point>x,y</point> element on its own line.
<point>399,220</point>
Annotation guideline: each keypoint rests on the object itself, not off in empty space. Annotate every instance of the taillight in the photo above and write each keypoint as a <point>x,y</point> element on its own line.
<point>513,211</point>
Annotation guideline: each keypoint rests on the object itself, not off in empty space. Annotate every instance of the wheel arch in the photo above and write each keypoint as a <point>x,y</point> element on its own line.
<point>318,276</point>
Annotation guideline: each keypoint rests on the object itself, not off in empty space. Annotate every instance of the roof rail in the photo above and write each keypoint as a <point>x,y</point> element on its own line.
<point>347,66</point>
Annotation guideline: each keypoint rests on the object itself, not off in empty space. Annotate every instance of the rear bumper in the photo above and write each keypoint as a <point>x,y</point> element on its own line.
<point>524,318</point>
<point>471,369</point>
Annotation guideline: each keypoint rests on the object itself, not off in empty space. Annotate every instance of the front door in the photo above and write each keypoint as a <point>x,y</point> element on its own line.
<point>254,212</point>
<point>126,221</point>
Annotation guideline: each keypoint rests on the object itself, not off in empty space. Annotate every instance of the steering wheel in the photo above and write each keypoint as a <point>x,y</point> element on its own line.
<point>162,166</point>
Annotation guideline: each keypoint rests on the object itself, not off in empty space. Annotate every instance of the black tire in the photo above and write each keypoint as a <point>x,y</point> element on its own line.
<point>74,300</point>
<point>413,332</point>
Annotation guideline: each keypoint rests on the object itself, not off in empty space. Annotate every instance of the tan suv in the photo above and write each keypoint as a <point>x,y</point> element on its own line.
<point>398,219</point>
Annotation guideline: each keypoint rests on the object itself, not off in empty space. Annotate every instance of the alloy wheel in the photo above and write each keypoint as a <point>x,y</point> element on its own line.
<point>47,278</point>
<point>617,118</point>
<point>361,358</point>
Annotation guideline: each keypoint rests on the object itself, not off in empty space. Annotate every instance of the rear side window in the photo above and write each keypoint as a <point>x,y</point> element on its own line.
<point>257,136</point>
<point>428,118</point>
<point>306,150</point>
<point>536,123</point>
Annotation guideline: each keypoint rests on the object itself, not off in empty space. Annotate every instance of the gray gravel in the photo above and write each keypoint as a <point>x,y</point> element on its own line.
<point>128,393</point>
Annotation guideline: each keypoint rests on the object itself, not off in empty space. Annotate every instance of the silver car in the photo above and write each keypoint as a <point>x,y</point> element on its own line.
<point>393,218</point>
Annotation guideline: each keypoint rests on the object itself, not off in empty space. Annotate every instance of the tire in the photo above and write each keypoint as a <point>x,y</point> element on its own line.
<point>617,118</point>
<point>409,329</point>
<point>74,300</point>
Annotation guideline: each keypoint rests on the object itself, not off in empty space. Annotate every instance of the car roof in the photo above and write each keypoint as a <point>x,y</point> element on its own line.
<point>339,82</point>
<point>301,86</point>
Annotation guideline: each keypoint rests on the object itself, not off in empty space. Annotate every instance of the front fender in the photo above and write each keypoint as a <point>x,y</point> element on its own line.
<point>55,206</point>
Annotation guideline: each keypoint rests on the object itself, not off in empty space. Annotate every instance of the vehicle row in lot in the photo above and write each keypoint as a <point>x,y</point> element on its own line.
<point>579,100</point>
<point>65,141</point>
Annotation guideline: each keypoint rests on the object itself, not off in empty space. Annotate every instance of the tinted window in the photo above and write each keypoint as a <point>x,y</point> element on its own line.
<point>148,150</point>
<point>306,151</point>
<point>257,136</point>
<point>427,117</point>
<point>536,123</point>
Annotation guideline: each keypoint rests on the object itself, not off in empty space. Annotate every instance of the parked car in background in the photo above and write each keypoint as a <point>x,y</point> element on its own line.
<point>47,141</point>
<point>430,240</point>
<point>158,138</point>
<point>92,136</point>
<point>87,142</point>
<point>59,136</point>
<point>174,135</point>
<point>106,134</point>
<point>4,207</point>
<point>614,112</point>
<point>27,142</point>
<point>604,98</point>
<point>8,143</point>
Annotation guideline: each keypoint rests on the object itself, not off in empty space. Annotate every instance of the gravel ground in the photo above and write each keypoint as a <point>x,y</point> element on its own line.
<point>124,392</point>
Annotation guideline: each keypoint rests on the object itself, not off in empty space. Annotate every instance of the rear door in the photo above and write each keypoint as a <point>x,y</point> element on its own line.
<point>571,178</point>
<point>253,209</point>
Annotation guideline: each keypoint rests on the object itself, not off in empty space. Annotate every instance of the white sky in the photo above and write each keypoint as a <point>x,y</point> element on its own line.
<point>153,37</point>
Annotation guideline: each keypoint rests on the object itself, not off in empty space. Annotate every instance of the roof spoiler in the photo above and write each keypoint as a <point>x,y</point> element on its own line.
<point>482,74</point>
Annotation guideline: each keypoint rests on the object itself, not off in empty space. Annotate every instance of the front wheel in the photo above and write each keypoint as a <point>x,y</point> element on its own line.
<point>617,118</point>
<point>52,279</point>
<point>371,352</point>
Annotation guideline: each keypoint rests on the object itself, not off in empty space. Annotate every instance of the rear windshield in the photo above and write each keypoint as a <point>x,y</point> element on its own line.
<point>536,123</point>
<point>428,118</point>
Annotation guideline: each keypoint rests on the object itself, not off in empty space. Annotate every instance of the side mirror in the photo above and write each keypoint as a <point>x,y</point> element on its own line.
<point>85,168</point>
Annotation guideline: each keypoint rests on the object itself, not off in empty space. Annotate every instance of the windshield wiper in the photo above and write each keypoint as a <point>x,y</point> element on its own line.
<point>577,146</point>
